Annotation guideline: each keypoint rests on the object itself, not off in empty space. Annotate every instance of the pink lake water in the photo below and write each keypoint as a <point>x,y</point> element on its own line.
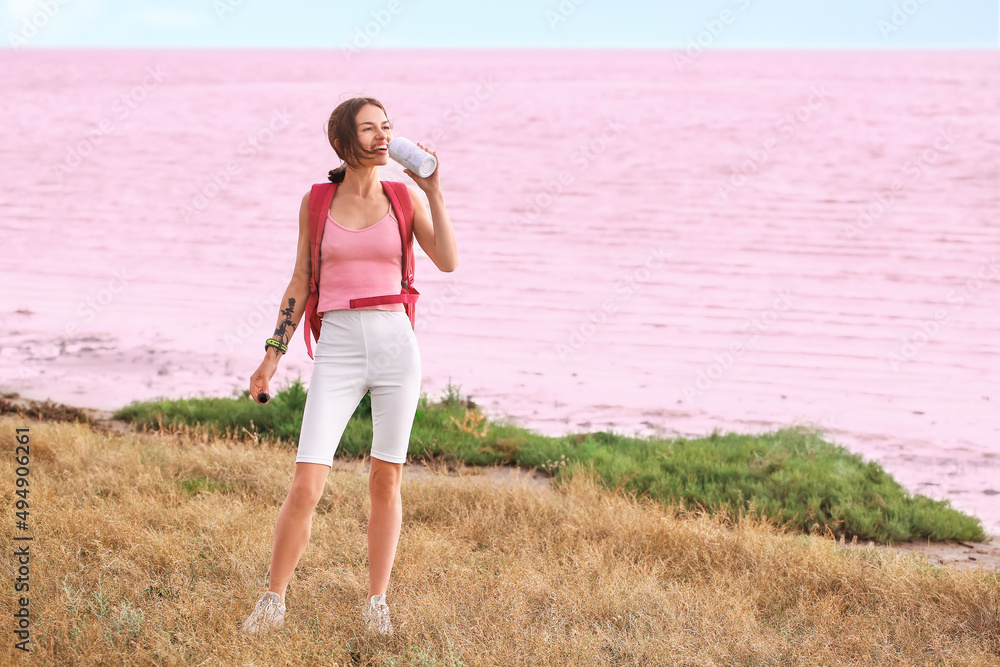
<point>749,241</point>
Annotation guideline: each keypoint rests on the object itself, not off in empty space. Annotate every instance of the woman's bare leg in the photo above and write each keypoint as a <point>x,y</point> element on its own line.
<point>384,481</point>
<point>291,533</point>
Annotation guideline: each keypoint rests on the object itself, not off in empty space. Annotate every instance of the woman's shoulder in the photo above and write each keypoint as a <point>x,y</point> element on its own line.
<point>414,192</point>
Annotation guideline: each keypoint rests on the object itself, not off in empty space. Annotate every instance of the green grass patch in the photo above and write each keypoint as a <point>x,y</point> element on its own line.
<point>196,485</point>
<point>792,475</point>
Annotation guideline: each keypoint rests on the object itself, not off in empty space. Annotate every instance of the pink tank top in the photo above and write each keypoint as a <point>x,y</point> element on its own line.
<point>356,263</point>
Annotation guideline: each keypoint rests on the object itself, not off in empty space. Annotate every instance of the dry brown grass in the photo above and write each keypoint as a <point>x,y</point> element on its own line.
<point>135,564</point>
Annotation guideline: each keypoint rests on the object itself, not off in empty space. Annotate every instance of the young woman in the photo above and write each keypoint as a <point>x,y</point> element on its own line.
<point>361,349</point>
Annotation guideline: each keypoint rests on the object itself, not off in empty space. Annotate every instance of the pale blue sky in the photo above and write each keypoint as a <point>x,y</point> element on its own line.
<point>779,24</point>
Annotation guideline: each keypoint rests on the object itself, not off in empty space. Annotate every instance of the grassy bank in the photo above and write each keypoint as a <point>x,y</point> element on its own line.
<point>151,549</point>
<point>791,475</point>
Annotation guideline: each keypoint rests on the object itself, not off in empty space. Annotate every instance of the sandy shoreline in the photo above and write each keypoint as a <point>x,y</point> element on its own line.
<point>946,453</point>
<point>105,372</point>
<point>953,553</point>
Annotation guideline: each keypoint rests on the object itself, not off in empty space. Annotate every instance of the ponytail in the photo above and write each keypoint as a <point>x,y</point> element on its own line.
<point>337,175</point>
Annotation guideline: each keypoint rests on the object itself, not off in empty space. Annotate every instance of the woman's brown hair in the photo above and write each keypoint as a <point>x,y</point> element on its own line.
<point>344,128</point>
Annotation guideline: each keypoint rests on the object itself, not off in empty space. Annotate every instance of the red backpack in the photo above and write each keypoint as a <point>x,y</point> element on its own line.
<point>319,206</point>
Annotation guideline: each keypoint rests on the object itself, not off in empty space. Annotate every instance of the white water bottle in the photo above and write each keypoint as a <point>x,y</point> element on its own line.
<point>412,156</point>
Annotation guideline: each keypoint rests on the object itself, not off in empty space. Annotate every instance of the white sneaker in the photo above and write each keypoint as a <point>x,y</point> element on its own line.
<point>376,615</point>
<point>268,613</point>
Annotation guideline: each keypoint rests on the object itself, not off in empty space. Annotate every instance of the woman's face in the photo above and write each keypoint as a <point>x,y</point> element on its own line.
<point>374,133</point>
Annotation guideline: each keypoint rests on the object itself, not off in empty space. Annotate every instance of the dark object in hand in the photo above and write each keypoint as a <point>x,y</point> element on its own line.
<point>263,397</point>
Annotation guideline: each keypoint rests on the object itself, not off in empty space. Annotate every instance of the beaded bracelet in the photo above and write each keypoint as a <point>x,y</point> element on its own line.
<point>275,343</point>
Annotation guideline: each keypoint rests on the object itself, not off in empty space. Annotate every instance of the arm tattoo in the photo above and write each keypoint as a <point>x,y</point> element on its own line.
<point>286,324</point>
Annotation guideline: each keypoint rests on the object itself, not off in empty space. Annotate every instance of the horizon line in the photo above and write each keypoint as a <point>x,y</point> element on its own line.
<point>987,49</point>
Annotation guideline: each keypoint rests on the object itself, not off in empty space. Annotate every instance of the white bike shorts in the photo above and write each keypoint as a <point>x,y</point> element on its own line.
<point>360,350</point>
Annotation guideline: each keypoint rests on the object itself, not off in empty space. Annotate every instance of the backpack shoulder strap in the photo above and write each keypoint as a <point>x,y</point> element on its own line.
<point>399,194</point>
<point>320,198</point>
